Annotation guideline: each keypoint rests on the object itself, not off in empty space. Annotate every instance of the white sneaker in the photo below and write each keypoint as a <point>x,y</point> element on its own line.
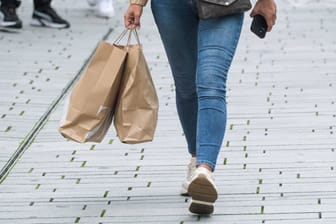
<point>191,169</point>
<point>104,8</point>
<point>203,192</point>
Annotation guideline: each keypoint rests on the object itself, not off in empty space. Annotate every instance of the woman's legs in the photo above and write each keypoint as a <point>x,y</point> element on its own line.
<point>180,30</point>
<point>178,25</point>
<point>205,48</point>
<point>217,42</point>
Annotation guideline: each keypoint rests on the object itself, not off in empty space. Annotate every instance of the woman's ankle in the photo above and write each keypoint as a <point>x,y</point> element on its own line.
<point>206,167</point>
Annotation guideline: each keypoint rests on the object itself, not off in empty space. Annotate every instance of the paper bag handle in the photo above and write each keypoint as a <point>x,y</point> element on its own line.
<point>123,34</point>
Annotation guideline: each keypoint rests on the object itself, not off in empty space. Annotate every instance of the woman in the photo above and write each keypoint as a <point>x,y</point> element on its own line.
<point>200,53</point>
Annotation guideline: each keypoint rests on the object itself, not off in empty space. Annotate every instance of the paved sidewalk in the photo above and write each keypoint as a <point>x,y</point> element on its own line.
<point>278,160</point>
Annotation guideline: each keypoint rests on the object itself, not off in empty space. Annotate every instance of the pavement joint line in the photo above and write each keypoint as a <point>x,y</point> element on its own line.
<point>42,121</point>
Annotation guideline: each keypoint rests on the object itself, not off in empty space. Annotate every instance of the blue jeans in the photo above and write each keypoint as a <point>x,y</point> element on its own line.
<point>200,53</point>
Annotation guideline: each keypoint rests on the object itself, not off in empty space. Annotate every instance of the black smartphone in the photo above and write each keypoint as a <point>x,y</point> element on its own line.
<point>259,26</point>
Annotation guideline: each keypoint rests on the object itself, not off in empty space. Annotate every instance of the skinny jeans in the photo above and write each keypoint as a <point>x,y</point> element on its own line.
<point>200,53</point>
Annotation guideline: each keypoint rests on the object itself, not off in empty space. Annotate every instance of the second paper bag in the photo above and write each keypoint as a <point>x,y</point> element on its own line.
<point>137,108</point>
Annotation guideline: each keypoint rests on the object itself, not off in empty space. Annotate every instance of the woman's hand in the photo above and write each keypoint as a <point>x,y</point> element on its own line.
<point>132,16</point>
<point>266,8</point>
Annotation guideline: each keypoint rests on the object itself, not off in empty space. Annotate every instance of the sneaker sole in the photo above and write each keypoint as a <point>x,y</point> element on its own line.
<point>13,25</point>
<point>201,209</point>
<point>10,30</point>
<point>45,23</point>
<point>203,195</point>
<point>5,24</point>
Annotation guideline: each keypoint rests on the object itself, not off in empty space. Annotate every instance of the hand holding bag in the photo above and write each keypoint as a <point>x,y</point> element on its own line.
<point>208,9</point>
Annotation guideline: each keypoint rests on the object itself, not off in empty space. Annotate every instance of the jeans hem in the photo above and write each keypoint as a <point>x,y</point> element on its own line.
<point>205,162</point>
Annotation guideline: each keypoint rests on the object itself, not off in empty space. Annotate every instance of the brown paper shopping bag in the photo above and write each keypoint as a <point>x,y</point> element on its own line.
<point>92,101</point>
<point>137,108</point>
